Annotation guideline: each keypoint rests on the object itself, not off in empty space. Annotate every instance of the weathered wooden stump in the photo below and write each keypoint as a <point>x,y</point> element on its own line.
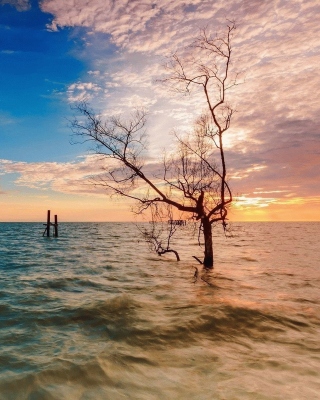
<point>55,226</point>
<point>49,224</point>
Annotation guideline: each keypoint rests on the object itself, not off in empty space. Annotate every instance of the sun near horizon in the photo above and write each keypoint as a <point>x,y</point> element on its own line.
<point>106,210</point>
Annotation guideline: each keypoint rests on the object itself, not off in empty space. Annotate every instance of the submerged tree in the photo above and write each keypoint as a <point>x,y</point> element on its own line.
<point>194,179</point>
<point>160,230</point>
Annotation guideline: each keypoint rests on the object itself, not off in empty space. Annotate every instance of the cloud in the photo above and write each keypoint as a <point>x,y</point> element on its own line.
<point>273,145</point>
<point>20,5</point>
<point>69,177</point>
<point>75,177</point>
<point>82,91</point>
<point>273,38</point>
<point>124,20</point>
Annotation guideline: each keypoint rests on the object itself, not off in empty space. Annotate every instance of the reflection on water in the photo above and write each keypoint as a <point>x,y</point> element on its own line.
<point>93,315</point>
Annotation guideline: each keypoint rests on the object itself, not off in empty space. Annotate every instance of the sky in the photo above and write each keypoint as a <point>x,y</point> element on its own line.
<point>55,53</point>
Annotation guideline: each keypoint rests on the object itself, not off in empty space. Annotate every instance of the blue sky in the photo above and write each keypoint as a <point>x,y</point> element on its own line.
<point>55,53</point>
<point>37,65</point>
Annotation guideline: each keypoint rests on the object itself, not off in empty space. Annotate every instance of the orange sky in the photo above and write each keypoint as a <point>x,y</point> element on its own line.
<point>84,208</point>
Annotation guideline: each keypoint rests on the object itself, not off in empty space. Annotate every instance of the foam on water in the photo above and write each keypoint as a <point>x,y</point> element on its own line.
<point>93,315</point>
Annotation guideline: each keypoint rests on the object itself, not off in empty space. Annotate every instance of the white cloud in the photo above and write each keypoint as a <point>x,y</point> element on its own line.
<point>76,177</point>
<point>81,91</point>
<point>69,177</point>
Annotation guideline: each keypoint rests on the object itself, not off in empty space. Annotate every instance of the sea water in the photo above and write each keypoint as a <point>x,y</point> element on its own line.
<point>93,314</point>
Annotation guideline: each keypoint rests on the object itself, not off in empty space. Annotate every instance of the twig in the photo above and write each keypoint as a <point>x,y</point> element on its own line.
<point>199,261</point>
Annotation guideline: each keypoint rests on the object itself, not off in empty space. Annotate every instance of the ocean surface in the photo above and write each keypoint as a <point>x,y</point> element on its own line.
<point>93,314</point>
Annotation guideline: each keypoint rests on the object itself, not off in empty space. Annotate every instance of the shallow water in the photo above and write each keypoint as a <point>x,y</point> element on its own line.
<point>93,314</point>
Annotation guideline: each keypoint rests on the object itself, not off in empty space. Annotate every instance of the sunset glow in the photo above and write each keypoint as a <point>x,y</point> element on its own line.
<point>55,53</point>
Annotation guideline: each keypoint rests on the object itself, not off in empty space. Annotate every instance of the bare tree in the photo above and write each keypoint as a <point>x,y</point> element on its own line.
<point>160,230</point>
<point>194,180</point>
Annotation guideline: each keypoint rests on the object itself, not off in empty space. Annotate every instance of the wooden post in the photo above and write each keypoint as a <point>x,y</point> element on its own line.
<point>48,223</point>
<point>56,226</point>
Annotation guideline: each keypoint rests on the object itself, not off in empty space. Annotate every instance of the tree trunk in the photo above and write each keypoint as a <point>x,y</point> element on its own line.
<point>208,250</point>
